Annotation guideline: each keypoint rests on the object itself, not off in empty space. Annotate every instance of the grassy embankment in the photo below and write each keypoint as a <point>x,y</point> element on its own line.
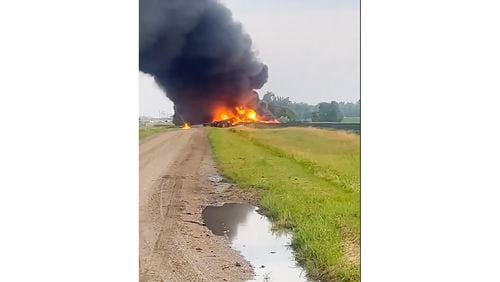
<point>310,180</point>
<point>351,119</point>
<point>151,130</point>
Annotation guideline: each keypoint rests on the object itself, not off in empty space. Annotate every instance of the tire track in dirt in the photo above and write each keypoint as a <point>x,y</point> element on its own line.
<point>174,243</point>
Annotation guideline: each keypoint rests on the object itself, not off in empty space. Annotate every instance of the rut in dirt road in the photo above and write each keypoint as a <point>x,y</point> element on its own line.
<point>174,243</point>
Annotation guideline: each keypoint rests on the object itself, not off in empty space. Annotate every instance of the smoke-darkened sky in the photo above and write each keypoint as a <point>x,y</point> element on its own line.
<point>311,48</point>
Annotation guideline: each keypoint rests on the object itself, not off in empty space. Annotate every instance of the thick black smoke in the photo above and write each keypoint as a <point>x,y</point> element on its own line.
<point>199,55</point>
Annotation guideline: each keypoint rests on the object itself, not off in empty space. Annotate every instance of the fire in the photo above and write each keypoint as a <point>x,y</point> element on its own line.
<point>238,115</point>
<point>186,126</point>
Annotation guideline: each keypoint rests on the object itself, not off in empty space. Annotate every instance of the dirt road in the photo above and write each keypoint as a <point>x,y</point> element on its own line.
<point>174,187</point>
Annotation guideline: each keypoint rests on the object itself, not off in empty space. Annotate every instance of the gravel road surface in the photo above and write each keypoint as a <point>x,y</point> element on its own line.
<point>175,171</point>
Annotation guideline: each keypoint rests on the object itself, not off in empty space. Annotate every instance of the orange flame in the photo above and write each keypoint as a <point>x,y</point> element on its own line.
<point>186,126</point>
<point>238,115</point>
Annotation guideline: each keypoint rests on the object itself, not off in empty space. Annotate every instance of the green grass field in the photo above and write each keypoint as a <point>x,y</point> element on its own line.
<point>151,130</point>
<point>351,119</point>
<point>310,182</point>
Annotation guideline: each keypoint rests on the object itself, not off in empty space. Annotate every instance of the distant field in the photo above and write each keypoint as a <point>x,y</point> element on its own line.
<point>311,184</point>
<point>151,130</point>
<point>351,119</point>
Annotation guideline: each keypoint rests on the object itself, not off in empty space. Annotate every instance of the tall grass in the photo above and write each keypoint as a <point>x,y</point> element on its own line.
<point>351,119</point>
<point>152,130</point>
<point>310,179</point>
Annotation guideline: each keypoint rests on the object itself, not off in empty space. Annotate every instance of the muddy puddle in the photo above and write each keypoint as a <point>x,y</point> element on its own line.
<point>250,233</point>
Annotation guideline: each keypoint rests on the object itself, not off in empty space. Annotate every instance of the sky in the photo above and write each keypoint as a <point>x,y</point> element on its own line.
<point>310,46</point>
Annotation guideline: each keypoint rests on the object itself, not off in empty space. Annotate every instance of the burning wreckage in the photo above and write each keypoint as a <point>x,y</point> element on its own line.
<point>204,61</point>
<point>225,117</point>
<point>222,113</point>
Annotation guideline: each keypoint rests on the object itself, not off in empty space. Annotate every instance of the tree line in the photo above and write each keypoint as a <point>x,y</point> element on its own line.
<point>286,110</point>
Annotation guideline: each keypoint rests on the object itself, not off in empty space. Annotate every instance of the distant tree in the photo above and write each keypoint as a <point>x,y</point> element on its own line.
<point>351,109</point>
<point>303,111</point>
<point>328,112</point>
<point>268,97</point>
<point>279,106</point>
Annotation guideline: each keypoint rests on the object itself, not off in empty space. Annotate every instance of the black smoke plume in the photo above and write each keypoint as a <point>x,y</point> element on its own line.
<point>199,56</point>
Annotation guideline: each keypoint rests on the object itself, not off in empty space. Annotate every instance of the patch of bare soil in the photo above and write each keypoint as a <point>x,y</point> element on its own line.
<point>178,178</point>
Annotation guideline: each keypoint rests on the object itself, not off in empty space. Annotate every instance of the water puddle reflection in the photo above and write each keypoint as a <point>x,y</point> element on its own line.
<point>249,232</point>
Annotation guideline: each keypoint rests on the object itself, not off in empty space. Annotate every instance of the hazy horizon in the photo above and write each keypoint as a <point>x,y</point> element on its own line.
<point>311,48</point>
